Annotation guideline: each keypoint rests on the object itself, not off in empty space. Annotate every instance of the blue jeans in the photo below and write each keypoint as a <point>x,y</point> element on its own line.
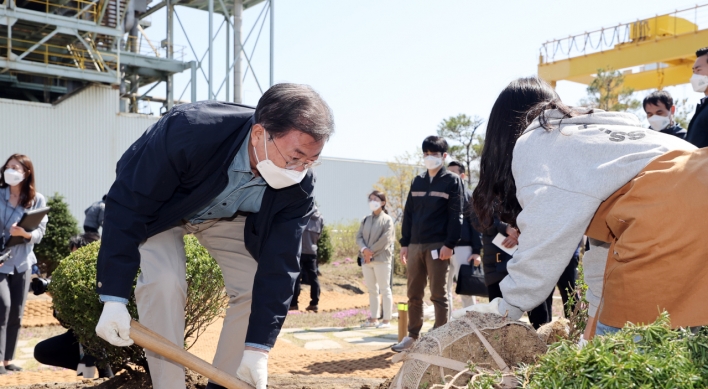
<point>602,329</point>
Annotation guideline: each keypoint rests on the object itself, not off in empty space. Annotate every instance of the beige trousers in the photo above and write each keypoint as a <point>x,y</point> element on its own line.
<point>161,292</point>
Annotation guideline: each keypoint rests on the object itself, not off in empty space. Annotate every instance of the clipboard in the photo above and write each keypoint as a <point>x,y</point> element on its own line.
<point>30,221</point>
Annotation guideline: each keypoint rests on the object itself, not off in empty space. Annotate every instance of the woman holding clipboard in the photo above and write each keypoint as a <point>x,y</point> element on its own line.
<point>17,196</point>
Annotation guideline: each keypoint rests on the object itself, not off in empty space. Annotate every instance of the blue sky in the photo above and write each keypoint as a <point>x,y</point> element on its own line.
<point>392,70</point>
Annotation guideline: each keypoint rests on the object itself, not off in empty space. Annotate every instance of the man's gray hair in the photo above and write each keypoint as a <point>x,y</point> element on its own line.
<point>285,107</point>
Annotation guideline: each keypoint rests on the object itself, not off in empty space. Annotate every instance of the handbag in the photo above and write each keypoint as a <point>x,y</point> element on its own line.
<point>470,281</point>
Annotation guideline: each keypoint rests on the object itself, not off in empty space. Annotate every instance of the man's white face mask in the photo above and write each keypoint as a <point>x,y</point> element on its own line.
<point>275,176</point>
<point>699,83</point>
<point>658,122</point>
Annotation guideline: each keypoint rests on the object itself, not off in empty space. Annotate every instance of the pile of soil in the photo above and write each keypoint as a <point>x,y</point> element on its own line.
<point>514,341</point>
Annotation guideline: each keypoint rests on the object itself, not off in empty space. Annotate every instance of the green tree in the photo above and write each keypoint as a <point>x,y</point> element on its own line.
<point>324,246</point>
<point>461,130</point>
<point>683,111</point>
<point>55,243</point>
<point>607,92</point>
<point>396,186</point>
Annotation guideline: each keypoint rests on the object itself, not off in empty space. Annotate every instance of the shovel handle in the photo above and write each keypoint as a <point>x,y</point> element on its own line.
<point>146,338</point>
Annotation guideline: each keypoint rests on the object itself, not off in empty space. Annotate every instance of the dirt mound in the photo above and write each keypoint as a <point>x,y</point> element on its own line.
<point>449,349</point>
<point>554,331</point>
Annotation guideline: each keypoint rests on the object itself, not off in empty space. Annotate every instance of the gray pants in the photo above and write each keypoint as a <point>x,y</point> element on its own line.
<point>13,294</point>
<point>161,293</point>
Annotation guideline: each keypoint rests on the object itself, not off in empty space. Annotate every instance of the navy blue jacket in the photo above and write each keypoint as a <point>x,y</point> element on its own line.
<point>433,210</point>
<point>469,236</point>
<point>698,127</point>
<point>175,169</point>
<point>675,130</point>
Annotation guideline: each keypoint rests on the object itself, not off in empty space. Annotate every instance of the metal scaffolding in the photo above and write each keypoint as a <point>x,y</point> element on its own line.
<point>50,48</point>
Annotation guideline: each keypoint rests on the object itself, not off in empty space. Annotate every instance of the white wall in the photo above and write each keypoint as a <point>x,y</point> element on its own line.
<point>343,185</point>
<point>74,145</point>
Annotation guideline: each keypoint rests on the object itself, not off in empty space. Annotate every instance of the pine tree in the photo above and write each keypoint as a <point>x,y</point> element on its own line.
<point>55,244</point>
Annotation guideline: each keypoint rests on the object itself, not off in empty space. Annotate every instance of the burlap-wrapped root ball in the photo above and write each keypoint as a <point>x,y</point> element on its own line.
<point>456,344</point>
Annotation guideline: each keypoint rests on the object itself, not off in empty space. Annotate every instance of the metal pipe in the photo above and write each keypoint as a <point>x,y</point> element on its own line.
<point>169,85</point>
<point>193,82</point>
<point>211,50</point>
<point>272,39</point>
<point>238,21</point>
<point>228,60</point>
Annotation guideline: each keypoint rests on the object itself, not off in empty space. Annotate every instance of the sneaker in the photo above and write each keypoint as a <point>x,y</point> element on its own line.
<point>405,344</point>
<point>312,308</point>
<point>369,324</point>
<point>384,325</point>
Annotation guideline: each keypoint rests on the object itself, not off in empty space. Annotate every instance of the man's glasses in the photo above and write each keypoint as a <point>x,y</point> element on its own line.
<point>293,164</point>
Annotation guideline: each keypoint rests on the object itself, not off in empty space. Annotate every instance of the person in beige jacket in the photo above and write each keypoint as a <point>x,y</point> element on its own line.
<point>375,239</point>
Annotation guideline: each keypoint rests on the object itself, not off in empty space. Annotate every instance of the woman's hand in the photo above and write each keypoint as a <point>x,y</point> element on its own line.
<point>368,254</point>
<point>474,259</point>
<point>15,230</point>
<point>510,242</point>
<point>512,232</point>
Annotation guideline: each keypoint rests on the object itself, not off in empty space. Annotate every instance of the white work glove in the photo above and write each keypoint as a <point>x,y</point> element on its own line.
<point>582,343</point>
<point>254,369</point>
<point>491,307</point>
<point>114,324</point>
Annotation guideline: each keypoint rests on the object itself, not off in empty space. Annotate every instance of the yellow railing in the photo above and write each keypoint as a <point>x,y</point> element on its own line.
<point>87,10</point>
<point>672,24</point>
<point>71,55</point>
<point>143,46</point>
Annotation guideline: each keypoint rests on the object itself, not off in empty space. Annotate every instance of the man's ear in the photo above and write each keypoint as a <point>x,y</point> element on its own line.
<point>463,176</point>
<point>257,132</point>
<point>444,156</point>
<point>673,110</point>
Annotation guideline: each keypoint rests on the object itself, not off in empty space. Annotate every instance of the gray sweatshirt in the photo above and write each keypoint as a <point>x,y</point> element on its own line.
<point>561,178</point>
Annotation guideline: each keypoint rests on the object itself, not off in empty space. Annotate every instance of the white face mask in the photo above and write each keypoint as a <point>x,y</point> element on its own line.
<point>374,205</point>
<point>699,83</point>
<point>275,176</point>
<point>13,177</point>
<point>658,122</point>
<point>432,162</point>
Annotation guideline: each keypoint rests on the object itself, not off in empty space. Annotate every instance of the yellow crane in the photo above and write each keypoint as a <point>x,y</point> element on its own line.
<point>652,53</point>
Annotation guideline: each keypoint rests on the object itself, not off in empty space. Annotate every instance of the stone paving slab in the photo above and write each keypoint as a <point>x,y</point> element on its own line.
<point>27,350</point>
<point>349,334</point>
<point>310,336</point>
<point>322,345</point>
<point>370,341</point>
<point>326,329</point>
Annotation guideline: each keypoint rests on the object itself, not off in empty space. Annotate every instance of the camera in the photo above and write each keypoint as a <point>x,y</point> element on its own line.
<point>39,285</point>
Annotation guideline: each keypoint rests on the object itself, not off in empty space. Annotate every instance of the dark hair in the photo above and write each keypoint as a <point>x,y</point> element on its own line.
<point>287,107</point>
<point>78,241</point>
<point>27,192</point>
<point>659,96</point>
<point>435,144</point>
<point>381,196</point>
<point>701,52</point>
<point>496,190</point>
<point>459,166</point>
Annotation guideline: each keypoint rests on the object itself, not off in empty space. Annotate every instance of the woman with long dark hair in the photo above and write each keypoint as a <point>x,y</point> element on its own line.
<point>17,195</point>
<point>375,239</point>
<point>631,190</point>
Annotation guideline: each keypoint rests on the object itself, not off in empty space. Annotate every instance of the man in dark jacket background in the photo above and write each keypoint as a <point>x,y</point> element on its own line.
<point>698,127</point>
<point>432,218</point>
<point>660,109</point>
<point>239,179</point>
<point>308,261</point>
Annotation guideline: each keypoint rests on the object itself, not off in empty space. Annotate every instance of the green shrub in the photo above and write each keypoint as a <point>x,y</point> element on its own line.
<point>324,246</point>
<point>77,305</point>
<point>344,240</point>
<point>55,243</point>
<point>652,356</point>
